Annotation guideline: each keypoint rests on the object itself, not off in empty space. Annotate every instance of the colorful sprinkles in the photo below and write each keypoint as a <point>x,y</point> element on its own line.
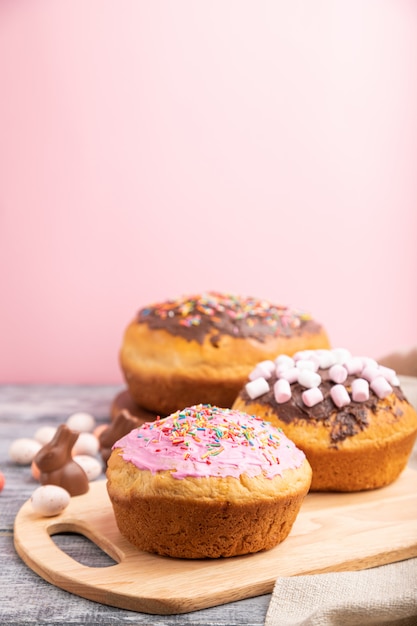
<point>204,440</point>
<point>195,310</point>
<point>192,424</point>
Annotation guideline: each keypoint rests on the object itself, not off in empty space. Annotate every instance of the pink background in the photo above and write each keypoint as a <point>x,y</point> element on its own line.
<point>159,148</point>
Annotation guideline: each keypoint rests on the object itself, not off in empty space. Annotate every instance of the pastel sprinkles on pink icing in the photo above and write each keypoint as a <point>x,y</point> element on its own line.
<point>207,441</point>
<point>304,368</point>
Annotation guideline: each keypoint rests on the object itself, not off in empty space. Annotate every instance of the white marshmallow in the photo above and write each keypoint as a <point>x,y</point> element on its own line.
<point>326,359</point>
<point>302,354</point>
<point>263,369</point>
<point>360,390</point>
<point>354,365</point>
<point>341,355</point>
<point>280,369</point>
<point>381,387</point>
<point>338,373</point>
<point>387,372</point>
<point>366,360</point>
<point>339,395</point>
<point>256,388</point>
<point>370,372</point>
<point>307,364</point>
<point>282,391</point>
<point>284,359</point>
<point>312,396</point>
<point>309,379</point>
<point>290,374</point>
<point>257,372</point>
<point>268,365</point>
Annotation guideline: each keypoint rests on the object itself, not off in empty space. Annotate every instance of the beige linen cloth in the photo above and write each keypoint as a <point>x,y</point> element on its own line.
<point>374,597</point>
<point>385,595</point>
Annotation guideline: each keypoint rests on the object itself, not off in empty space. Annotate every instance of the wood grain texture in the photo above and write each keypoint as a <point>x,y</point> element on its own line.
<point>333,532</point>
<point>26,597</point>
<point>29,599</point>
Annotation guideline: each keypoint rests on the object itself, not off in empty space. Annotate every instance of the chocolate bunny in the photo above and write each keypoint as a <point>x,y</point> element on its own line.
<point>57,466</point>
<point>123,423</point>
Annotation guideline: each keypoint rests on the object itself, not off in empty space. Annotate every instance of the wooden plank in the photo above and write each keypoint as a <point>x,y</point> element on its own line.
<point>333,532</point>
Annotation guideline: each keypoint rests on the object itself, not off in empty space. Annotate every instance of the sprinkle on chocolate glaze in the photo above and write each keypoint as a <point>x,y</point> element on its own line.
<point>212,313</point>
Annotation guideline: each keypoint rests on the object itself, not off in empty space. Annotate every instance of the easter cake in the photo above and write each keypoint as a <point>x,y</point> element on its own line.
<point>206,482</point>
<point>200,348</point>
<point>348,414</point>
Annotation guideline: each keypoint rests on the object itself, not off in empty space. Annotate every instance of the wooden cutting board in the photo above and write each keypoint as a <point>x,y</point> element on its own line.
<point>333,532</point>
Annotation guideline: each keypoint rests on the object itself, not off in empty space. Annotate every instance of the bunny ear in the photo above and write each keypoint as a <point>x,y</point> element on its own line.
<point>123,423</point>
<point>65,435</point>
<point>59,436</point>
<point>62,441</point>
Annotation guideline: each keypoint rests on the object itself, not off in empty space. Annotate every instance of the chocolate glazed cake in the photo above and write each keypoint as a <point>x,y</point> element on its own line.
<point>200,349</point>
<point>348,414</point>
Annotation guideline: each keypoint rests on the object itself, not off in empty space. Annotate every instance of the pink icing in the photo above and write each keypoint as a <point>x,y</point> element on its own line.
<point>202,441</point>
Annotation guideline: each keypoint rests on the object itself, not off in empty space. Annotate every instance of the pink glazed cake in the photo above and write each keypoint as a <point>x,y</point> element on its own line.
<point>206,482</point>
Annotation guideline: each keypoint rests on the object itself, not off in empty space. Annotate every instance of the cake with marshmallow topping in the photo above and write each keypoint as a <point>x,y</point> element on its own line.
<point>206,482</point>
<point>348,414</point>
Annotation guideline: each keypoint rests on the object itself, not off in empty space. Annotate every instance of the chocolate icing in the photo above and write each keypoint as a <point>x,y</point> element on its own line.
<point>341,423</point>
<point>215,314</point>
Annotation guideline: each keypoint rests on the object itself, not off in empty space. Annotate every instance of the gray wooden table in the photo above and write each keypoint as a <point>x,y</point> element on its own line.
<point>25,598</point>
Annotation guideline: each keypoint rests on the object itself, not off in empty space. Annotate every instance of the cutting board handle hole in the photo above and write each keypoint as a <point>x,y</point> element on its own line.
<point>82,549</point>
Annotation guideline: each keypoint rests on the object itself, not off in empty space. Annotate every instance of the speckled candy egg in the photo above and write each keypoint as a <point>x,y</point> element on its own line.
<point>44,434</point>
<point>49,500</point>
<point>86,443</point>
<point>81,422</point>
<point>22,451</point>
<point>91,466</point>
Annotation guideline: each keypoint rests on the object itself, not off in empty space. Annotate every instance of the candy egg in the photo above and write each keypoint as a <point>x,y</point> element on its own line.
<point>2,481</point>
<point>45,434</point>
<point>49,500</point>
<point>91,466</point>
<point>86,443</point>
<point>35,471</point>
<point>99,429</point>
<point>81,422</point>
<point>23,450</point>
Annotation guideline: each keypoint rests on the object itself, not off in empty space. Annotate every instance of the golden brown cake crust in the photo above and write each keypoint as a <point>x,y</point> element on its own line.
<point>373,458</point>
<point>168,364</point>
<point>204,517</point>
<point>206,482</point>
